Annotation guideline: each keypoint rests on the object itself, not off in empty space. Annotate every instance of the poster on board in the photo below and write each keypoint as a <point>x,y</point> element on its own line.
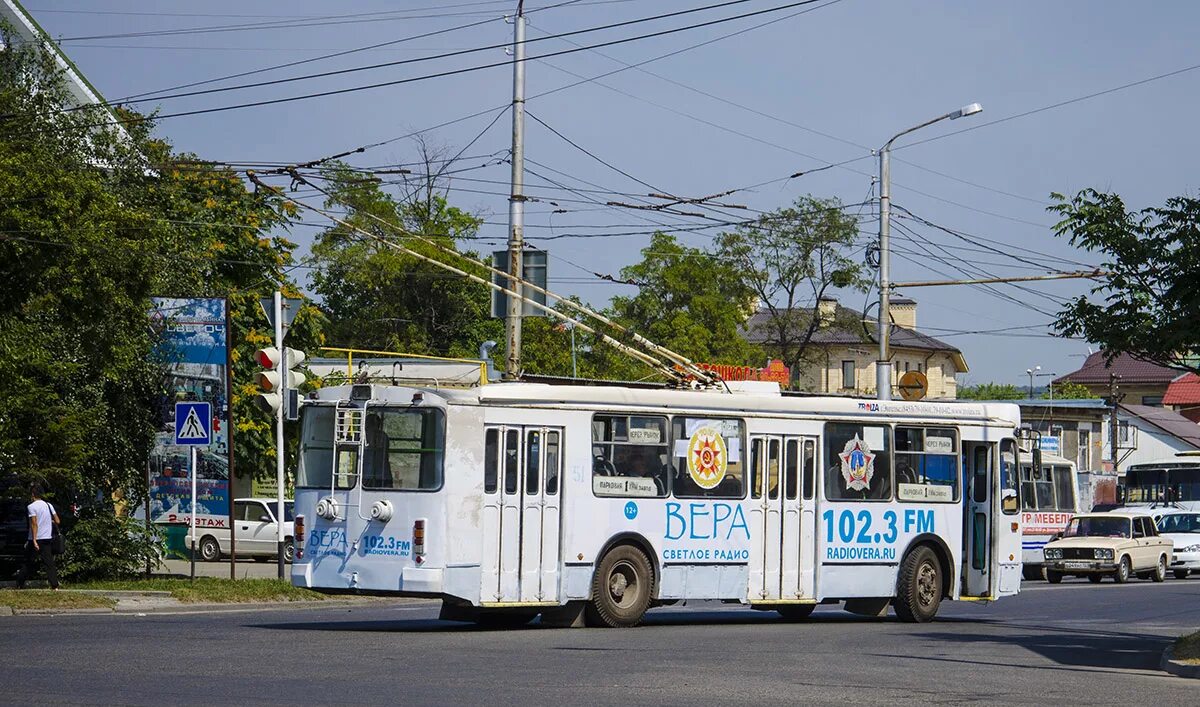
<point>193,340</point>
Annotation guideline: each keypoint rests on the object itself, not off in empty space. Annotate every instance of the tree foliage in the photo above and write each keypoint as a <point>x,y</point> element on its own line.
<point>1147,304</point>
<point>689,301</point>
<point>377,297</point>
<point>93,222</point>
<point>991,391</point>
<point>1068,390</point>
<point>789,259</point>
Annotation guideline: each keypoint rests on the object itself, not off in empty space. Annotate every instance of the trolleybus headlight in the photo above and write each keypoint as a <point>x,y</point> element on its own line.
<point>1102,554</point>
<point>1053,554</point>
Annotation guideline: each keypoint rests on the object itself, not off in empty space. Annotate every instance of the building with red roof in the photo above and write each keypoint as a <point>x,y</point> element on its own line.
<point>1141,382</point>
<point>1183,394</point>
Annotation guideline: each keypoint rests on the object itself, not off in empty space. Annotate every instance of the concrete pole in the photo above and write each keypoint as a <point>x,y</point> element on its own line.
<point>883,367</point>
<point>516,203</point>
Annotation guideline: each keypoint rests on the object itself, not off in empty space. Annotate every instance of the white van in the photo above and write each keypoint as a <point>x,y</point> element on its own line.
<point>254,522</point>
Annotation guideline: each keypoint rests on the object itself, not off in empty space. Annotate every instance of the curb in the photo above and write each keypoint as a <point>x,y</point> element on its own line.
<point>207,608</point>
<point>1176,668</point>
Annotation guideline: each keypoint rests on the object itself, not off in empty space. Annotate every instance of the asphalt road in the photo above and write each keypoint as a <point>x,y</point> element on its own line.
<point>1068,644</point>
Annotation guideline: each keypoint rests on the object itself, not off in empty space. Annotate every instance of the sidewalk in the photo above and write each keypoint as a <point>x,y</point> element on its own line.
<point>155,602</point>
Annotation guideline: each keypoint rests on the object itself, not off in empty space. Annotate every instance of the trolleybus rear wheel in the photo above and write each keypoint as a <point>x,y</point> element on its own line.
<point>919,589</point>
<point>1031,573</point>
<point>795,612</point>
<point>621,588</point>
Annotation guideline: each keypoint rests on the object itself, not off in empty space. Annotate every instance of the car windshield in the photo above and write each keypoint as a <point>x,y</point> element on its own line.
<point>1180,523</point>
<point>1093,527</point>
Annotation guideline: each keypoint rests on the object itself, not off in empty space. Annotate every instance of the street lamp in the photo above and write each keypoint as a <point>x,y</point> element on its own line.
<point>1031,371</point>
<point>883,369</point>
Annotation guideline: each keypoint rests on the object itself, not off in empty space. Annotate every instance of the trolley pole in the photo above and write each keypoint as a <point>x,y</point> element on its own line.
<point>516,202</point>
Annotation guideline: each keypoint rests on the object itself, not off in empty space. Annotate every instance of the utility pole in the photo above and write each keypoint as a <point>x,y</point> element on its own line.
<point>883,367</point>
<point>1114,428</point>
<point>516,202</point>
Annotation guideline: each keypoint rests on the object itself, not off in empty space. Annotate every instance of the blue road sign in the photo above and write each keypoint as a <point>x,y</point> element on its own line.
<point>193,424</point>
<point>1050,444</point>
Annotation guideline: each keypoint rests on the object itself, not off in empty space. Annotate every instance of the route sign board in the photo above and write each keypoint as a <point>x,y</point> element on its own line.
<point>193,424</point>
<point>913,385</point>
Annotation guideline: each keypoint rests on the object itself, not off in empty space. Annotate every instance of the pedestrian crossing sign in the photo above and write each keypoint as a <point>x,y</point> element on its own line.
<point>193,424</point>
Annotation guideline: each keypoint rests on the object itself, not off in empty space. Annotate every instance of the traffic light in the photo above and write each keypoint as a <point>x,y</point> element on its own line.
<point>279,384</point>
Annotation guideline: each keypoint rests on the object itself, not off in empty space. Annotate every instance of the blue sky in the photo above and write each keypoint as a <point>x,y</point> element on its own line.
<point>814,89</point>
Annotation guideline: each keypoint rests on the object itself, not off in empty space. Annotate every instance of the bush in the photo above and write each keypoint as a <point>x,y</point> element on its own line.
<point>104,545</point>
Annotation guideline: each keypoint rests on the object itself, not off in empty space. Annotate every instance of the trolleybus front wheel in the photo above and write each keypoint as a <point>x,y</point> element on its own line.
<point>919,589</point>
<point>621,588</point>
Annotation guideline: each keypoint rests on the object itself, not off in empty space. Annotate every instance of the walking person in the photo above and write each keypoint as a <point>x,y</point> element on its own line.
<point>40,547</point>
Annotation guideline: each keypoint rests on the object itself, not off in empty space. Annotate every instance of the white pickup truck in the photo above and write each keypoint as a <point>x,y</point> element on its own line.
<point>254,523</point>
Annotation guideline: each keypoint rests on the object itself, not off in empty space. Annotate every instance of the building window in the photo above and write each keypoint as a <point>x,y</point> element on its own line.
<point>848,374</point>
<point>1155,400</point>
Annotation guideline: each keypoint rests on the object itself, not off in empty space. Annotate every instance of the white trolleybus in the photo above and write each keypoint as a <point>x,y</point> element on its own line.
<point>1170,482</point>
<point>1049,499</point>
<point>596,503</point>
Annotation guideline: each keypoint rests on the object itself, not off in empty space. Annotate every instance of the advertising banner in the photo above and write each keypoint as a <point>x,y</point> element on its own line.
<point>194,341</point>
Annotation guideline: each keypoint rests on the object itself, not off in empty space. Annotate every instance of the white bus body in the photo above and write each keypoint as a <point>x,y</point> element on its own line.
<point>513,499</point>
<point>1049,500</point>
<point>1173,481</point>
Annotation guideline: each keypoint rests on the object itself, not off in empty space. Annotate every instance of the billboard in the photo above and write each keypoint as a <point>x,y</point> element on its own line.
<point>193,340</point>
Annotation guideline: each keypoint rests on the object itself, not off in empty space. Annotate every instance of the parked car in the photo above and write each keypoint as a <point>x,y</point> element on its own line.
<point>254,523</point>
<point>1183,529</point>
<point>1121,545</point>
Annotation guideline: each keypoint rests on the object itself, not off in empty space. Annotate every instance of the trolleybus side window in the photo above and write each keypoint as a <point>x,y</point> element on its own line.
<point>708,459</point>
<point>316,447</point>
<point>512,447</point>
<point>1050,488</point>
<point>629,455</point>
<point>553,461</point>
<point>404,449</point>
<point>1009,491</point>
<point>491,460</point>
<point>858,462</point>
<point>792,459</point>
<point>926,464</point>
<point>1064,488</point>
<point>810,463</point>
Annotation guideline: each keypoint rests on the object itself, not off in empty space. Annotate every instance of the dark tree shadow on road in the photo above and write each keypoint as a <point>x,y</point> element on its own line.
<point>1074,649</point>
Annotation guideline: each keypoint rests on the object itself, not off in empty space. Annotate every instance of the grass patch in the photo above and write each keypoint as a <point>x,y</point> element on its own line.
<point>46,599</point>
<point>1187,649</point>
<point>214,589</point>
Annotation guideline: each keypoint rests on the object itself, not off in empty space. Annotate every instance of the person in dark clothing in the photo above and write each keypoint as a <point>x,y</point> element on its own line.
<point>42,519</point>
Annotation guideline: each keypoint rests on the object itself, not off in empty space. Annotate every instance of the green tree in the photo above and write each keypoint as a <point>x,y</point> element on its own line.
<point>689,301</point>
<point>788,259</point>
<point>1146,302</point>
<point>95,221</point>
<point>1068,390</point>
<point>991,391</point>
<point>377,297</point>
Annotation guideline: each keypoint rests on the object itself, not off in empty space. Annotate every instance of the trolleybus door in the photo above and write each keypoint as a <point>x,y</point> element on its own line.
<point>979,470</point>
<point>521,514</point>
<point>777,569</point>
